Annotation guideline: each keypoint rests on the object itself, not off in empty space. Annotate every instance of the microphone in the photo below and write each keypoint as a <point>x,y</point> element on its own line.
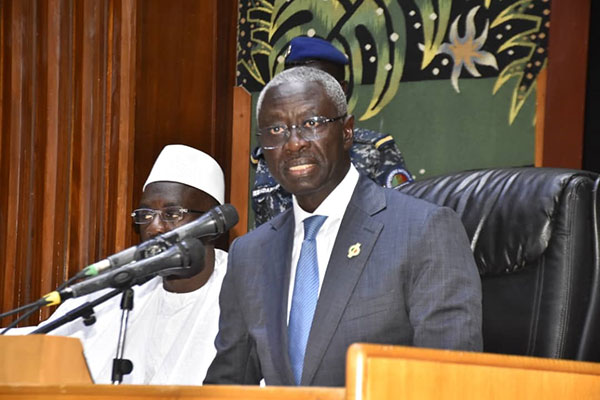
<point>184,258</point>
<point>215,222</point>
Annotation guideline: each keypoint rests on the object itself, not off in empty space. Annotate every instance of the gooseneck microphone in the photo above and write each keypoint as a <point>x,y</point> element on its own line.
<point>215,222</point>
<point>185,257</point>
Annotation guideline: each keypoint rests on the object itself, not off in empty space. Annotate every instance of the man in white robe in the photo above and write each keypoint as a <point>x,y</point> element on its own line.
<point>174,320</point>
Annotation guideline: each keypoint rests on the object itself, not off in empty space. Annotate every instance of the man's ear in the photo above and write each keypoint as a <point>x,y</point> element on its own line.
<point>344,85</point>
<point>348,131</point>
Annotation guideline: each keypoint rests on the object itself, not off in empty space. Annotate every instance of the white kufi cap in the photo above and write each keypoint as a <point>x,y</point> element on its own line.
<point>184,164</point>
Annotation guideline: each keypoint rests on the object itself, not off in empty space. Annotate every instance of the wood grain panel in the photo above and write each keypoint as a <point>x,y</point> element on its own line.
<point>52,14</point>
<point>539,117</point>
<point>226,36</point>
<point>22,117</point>
<point>85,108</point>
<point>397,372</point>
<point>36,270</point>
<point>63,164</point>
<point>240,165</point>
<point>175,80</point>
<point>185,79</point>
<point>62,46</point>
<point>564,108</point>
<point>119,202</point>
<point>143,392</point>
<point>12,169</point>
<point>42,359</point>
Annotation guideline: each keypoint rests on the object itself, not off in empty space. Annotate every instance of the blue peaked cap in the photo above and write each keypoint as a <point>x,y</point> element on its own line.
<point>304,48</point>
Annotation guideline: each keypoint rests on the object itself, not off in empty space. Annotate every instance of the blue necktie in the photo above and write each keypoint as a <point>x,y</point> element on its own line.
<point>306,293</point>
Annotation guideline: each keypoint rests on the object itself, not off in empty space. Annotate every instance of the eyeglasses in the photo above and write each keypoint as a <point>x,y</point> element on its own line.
<point>310,129</point>
<point>144,216</point>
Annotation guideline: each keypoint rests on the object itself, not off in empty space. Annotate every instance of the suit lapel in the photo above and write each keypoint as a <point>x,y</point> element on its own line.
<point>275,296</point>
<point>343,272</point>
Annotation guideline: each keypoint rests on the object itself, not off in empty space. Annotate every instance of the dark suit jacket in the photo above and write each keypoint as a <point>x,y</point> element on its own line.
<point>414,283</point>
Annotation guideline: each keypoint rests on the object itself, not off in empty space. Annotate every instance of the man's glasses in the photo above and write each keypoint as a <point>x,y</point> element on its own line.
<point>311,129</point>
<point>142,216</point>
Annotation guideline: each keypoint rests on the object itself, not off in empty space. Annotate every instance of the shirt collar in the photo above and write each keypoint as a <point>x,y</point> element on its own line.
<point>334,206</point>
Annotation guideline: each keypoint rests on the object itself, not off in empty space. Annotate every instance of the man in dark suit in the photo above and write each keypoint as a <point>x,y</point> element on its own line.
<point>350,262</point>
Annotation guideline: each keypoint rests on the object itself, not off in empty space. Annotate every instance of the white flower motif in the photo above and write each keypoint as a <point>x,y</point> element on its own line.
<point>466,51</point>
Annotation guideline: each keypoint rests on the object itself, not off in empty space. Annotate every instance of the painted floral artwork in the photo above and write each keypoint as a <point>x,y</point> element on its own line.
<point>390,43</point>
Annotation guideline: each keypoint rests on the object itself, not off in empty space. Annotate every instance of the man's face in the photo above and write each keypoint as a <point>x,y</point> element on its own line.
<point>159,195</point>
<point>308,169</point>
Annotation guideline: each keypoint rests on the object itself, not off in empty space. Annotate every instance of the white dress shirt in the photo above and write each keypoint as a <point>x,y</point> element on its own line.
<point>333,207</point>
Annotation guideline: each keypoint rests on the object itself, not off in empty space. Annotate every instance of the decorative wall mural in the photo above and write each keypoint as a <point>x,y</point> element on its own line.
<point>392,42</point>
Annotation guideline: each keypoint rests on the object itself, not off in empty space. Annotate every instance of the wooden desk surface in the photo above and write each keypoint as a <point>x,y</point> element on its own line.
<point>139,392</point>
<point>376,372</point>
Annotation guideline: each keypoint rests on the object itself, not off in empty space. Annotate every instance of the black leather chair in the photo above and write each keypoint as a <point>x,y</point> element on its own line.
<point>534,234</point>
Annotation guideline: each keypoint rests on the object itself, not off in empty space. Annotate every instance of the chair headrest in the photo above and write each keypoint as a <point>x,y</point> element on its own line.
<point>508,213</point>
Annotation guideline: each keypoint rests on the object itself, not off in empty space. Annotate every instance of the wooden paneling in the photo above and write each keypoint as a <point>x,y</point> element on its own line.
<point>539,120</point>
<point>67,137</point>
<point>240,170</point>
<point>591,143</point>
<point>174,79</point>
<point>185,79</point>
<point>223,103</point>
<point>91,90</point>
<point>563,110</point>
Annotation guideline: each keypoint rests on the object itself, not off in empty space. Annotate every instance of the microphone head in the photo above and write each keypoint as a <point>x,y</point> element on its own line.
<point>227,217</point>
<point>216,221</point>
<point>193,253</point>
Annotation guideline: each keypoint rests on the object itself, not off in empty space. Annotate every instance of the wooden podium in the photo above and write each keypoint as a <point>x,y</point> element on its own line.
<point>396,372</point>
<point>42,360</point>
<point>46,367</point>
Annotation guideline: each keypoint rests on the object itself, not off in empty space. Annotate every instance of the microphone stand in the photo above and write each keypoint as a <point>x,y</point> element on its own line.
<point>86,311</point>
<point>185,255</point>
<point>122,366</point>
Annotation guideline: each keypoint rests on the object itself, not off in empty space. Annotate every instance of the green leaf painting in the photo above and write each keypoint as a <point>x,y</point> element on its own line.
<point>392,42</point>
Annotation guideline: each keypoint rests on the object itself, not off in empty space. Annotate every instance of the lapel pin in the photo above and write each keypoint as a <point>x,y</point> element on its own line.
<point>354,250</point>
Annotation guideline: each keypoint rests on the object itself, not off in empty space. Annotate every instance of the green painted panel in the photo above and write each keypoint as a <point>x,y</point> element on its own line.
<point>440,131</point>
